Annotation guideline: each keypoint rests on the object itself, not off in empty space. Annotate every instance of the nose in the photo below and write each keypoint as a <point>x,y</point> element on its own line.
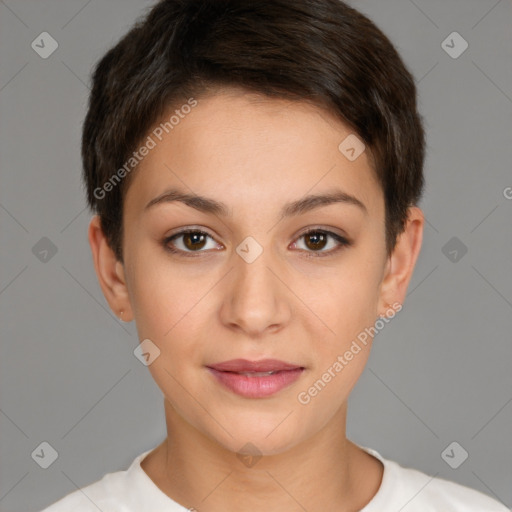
<point>256,301</point>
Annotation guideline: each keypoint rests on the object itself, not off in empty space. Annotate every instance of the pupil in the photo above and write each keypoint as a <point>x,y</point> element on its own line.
<point>318,240</point>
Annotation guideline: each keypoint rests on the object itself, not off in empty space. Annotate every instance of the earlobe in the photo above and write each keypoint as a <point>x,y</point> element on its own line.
<point>110,271</point>
<point>401,263</point>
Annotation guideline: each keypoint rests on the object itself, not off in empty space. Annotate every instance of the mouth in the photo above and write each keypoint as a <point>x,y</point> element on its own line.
<point>255,379</point>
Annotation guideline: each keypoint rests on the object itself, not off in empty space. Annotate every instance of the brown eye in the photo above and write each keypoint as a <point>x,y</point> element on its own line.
<point>315,240</point>
<point>189,241</point>
<point>194,240</point>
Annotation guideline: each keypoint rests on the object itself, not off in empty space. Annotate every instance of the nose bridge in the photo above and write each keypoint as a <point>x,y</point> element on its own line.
<point>255,275</point>
<point>256,299</point>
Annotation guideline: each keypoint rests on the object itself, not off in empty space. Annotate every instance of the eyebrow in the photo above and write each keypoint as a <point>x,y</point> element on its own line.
<point>298,207</point>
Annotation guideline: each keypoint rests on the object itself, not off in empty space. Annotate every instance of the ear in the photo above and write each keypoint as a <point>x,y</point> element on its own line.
<point>110,272</point>
<point>400,264</point>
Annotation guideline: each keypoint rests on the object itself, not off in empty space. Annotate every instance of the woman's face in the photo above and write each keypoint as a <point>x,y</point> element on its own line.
<point>254,286</point>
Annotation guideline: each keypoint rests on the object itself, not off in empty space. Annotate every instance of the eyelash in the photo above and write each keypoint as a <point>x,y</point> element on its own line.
<point>342,242</point>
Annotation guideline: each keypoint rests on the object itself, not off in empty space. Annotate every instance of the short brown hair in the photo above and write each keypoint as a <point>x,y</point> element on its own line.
<point>321,51</point>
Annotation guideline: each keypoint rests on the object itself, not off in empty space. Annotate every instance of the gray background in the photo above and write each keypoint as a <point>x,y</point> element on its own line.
<point>439,372</point>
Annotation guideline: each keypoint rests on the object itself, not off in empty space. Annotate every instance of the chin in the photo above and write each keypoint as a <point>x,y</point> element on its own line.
<point>257,435</point>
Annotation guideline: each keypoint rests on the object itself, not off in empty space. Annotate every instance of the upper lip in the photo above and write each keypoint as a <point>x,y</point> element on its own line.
<point>244,365</point>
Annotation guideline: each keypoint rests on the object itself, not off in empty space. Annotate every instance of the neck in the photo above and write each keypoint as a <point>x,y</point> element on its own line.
<point>325,472</point>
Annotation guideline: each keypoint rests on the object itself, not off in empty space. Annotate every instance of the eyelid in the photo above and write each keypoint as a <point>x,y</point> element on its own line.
<point>188,229</point>
<point>324,229</point>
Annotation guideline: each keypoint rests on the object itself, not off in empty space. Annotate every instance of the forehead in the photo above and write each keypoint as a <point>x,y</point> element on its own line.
<point>236,145</point>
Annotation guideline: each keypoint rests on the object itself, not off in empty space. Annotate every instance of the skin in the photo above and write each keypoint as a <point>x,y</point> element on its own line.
<point>255,154</point>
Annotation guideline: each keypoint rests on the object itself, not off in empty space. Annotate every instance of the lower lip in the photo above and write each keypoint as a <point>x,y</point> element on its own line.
<point>257,387</point>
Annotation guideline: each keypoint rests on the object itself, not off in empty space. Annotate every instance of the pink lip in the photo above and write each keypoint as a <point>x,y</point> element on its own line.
<point>229,373</point>
<point>243,365</point>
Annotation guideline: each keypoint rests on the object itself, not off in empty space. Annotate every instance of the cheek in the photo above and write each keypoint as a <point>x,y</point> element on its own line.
<point>345,300</point>
<point>348,305</point>
<point>170,308</point>
<point>338,365</point>
<point>173,308</point>
<point>162,293</point>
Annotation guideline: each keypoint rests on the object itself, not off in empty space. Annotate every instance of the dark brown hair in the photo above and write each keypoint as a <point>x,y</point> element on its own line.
<point>320,51</point>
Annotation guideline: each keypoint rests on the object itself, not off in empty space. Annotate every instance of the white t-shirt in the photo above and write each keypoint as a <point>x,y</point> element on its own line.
<point>404,489</point>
